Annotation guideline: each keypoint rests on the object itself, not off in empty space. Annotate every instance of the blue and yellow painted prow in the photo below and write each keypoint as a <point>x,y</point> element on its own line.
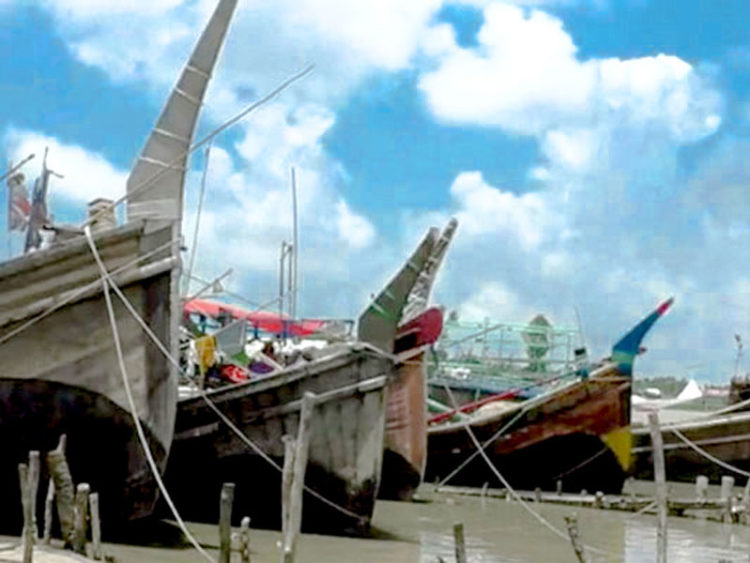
<point>629,346</point>
<point>624,353</point>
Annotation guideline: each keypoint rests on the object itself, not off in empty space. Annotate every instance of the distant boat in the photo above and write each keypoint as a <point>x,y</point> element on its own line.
<point>60,368</point>
<point>578,432</point>
<point>400,321</point>
<point>653,401</point>
<point>723,435</point>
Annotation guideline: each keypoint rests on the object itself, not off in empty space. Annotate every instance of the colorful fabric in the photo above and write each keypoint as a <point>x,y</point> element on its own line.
<point>205,349</point>
<point>235,374</point>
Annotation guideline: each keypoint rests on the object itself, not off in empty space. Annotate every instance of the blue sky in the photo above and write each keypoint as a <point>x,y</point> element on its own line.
<point>593,151</point>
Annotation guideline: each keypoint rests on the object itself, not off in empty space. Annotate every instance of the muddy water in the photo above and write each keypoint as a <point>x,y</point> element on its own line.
<point>495,530</point>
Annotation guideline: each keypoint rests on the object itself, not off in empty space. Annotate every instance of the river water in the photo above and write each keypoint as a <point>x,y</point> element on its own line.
<point>495,530</point>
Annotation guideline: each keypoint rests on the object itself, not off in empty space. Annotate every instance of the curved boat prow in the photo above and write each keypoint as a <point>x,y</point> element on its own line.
<point>629,346</point>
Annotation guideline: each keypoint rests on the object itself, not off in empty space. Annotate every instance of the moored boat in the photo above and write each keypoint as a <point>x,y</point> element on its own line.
<point>577,433</point>
<point>60,364</point>
<point>723,436</point>
<point>346,444</point>
<point>399,321</point>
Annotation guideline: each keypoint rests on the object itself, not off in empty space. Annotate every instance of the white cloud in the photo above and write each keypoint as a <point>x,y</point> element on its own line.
<point>525,77</point>
<point>495,301</point>
<point>87,175</point>
<point>482,209</point>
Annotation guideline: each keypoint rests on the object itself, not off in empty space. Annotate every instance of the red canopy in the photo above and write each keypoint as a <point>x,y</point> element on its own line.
<point>263,320</point>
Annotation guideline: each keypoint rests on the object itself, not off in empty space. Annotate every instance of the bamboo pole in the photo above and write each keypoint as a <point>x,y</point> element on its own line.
<point>225,522</point>
<point>81,518</point>
<point>96,529</point>
<point>298,478</point>
<point>657,447</point>
<point>460,544</point>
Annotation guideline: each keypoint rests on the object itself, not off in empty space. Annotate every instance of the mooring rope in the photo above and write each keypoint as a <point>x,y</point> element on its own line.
<point>106,284</point>
<point>541,519</point>
<point>211,404</point>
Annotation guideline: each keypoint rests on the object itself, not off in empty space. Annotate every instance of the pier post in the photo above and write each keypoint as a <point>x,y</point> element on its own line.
<point>244,546</point>
<point>657,446</point>
<point>96,527</point>
<point>294,513</point>
<point>701,487</point>
<point>81,517</point>
<point>50,499</point>
<point>28,532</point>
<point>225,522</point>
<point>727,485</point>
<point>458,537</point>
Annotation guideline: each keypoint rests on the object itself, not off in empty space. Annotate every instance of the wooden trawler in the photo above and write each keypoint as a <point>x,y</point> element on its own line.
<point>399,321</point>
<point>60,366</point>
<point>577,433</point>
<point>346,444</point>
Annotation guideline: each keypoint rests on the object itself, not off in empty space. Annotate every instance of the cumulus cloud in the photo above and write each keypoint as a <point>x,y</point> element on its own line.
<point>525,76</point>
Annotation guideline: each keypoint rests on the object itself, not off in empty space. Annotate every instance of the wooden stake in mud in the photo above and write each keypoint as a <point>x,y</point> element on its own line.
<point>33,489</point>
<point>458,537</point>
<point>28,537</point>
<point>572,523</point>
<point>657,446</point>
<point>96,527</point>
<point>245,540</point>
<point>64,493</point>
<point>294,513</point>
<point>225,522</point>
<point>290,446</point>
<point>81,518</point>
<point>50,499</point>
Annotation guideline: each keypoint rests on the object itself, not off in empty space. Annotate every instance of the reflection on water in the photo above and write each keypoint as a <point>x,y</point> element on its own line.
<point>495,531</point>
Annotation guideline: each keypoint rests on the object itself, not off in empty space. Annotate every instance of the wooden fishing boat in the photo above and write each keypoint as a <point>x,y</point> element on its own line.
<point>725,437</point>
<point>399,321</point>
<point>60,368</point>
<point>346,445</point>
<point>578,432</point>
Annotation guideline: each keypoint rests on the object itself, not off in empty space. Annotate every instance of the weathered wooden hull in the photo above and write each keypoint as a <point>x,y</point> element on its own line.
<point>60,376</point>
<point>346,447</point>
<point>405,431</point>
<point>578,434</point>
<point>724,437</point>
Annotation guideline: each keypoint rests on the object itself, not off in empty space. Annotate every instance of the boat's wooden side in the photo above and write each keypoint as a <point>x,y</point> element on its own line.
<point>578,434</point>
<point>60,373</point>
<point>406,430</point>
<point>724,437</point>
<point>346,447</point>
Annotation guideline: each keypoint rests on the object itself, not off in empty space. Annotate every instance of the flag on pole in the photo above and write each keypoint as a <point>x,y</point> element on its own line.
<point>19,207</point>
